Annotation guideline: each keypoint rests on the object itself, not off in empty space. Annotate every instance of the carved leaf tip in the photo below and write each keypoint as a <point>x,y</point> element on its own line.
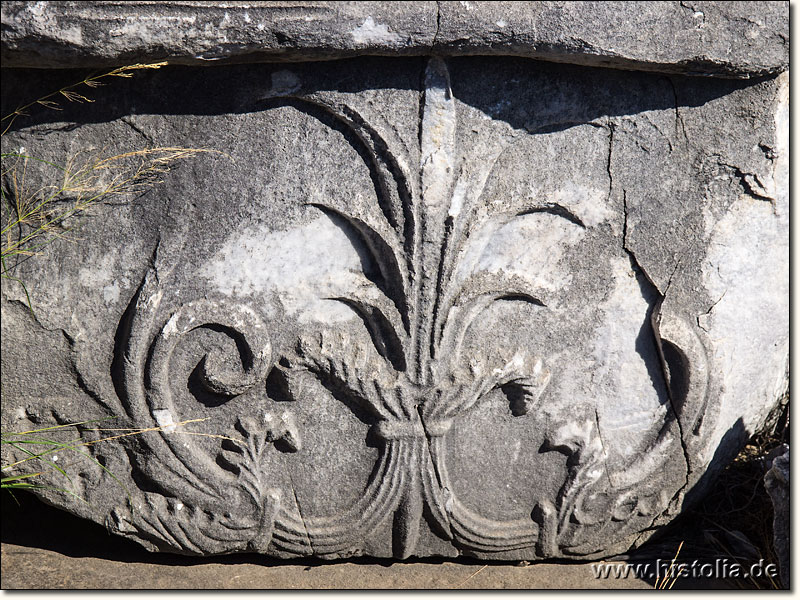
<point>283,428</point>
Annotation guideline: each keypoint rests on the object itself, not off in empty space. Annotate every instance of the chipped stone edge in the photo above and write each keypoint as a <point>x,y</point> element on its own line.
<point>50,35</point>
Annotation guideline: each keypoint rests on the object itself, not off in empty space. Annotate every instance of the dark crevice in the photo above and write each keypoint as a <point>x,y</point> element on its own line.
<point>357,405</point>
<point>610,125</point>
<point>560,126</point>
<point>443,277</point>
<point>198,388</point>
<point>670,389</point>
<point>123,332</point>
<point>129,122</point>
<point>358,141</point>
<point>708,312</point>
<point>559,210</point>
<point>749,186</point>
<point>678,117</point>
<point>438,25</point>
<point>379,253</point>
<point>634,261</point>
<point>655,316</point>
<point>384,337</point>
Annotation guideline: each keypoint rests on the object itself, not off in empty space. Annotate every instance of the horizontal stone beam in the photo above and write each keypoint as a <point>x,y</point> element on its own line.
<point>720,39</point>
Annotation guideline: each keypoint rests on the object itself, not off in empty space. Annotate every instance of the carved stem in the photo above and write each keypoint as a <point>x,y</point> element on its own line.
<point>437,164</point>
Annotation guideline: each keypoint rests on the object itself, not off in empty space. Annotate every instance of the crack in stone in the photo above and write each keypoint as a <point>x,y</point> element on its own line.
<point>603,446</point>
<point>749,186</point>
<point>610,126</point>
<point>552,126</point>
<point>678,117</point>
<point>297,505</point>
<point>699,318</point>
<point>129,122</point>
<point>654,320</point>
<point>438,24</point>
<point>694,12</point>
<point>152,264</point>
<point>436,473</point>
<point>671,277</point>
<point>769,151</point>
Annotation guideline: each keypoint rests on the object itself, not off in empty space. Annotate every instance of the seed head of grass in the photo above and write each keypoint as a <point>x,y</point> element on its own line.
<point>70,94</point>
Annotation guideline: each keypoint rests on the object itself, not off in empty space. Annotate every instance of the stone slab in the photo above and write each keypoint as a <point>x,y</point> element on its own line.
<point>37,569</point>
<point>420,306</point>
<point>728,39</point>
<point>83,556</point>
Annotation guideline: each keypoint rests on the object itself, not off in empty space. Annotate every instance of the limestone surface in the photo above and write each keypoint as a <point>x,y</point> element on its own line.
<point>733,39</point>
<point>409,306</point>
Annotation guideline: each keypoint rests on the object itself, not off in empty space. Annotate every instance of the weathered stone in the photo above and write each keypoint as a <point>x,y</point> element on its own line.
<point>734,39</point>
<point>776,481</point>
<point>425,306</point>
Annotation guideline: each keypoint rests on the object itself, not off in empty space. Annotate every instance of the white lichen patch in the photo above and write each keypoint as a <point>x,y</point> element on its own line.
<point>370,32</point>
<point>164,419</point>
<point>156,27</point>
<point>746,273</point>
<point>284,82</point>
<point>171,327</point>
<point>303,266</point>
<point>111,292</point>
<point>103,274</point>
<point>73,35</point>
<point>587,202</point>
<point>507,247</point>
<point>747,270</point>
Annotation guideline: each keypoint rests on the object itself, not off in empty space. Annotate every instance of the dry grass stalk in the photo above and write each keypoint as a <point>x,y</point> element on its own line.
<point>34,217</point>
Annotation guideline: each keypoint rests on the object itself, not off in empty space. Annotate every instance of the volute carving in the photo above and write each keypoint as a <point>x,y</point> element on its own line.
<point>408,372</point>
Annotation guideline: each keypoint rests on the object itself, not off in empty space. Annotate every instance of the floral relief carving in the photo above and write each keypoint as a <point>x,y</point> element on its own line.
<point>409,372</point>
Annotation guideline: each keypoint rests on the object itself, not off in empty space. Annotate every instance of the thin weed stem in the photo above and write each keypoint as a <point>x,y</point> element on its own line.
<point>68,92</point>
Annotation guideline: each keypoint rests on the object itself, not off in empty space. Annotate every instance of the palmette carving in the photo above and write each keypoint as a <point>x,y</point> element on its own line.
<point>409,373</point>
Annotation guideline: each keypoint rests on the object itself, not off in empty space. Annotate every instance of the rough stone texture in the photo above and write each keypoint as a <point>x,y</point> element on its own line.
<point>41,569</point>
<point>425,306</point>
<point>736,39</point>
<point>776,481</point>
<point>84,556</point>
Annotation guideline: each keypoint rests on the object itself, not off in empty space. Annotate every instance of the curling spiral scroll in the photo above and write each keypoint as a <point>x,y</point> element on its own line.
<point>409,375</point>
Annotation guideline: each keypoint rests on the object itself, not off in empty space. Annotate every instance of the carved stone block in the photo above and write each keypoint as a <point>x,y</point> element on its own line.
<point>776,482</point>
<point>421,305</point>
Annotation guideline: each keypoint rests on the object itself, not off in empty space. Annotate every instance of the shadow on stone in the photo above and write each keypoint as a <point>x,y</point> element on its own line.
<point>567,95</point>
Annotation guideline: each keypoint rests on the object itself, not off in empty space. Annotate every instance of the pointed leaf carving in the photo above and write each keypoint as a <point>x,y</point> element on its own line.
<point>387,252</point>
<point>383,322</point>
<point>477,293</point>
<point>520,374</point>
<point>351,367</point>
<point>388,157</point>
